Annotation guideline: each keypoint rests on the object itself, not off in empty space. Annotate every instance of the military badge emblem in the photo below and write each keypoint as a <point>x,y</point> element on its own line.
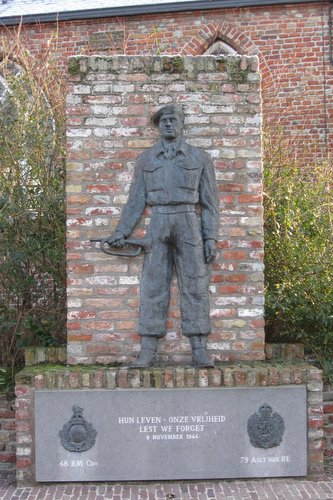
<point>77,435</point>
<point>265,428</point>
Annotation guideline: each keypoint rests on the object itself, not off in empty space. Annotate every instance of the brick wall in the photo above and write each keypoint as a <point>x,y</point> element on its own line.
<point>328,422</point>
<point>7,435</point>
<point>109,107</point>
<point>291,41</point>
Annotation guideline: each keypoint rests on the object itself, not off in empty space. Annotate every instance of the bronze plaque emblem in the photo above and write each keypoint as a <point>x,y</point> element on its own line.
<point>77,435</point>
<point>265,428</point>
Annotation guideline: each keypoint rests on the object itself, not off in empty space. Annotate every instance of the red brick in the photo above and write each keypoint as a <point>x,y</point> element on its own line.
<point>74,256</point>
<point>99,325</point>
<point>328,407</point>
<point>224,244</point>
<point>23,463</point>
<point>227,199</point>
<point>217,278</point>
<point>250,198</point>
<point>258,345</point>
<point>315,456</point>
<point>81,314</point>
<point>236,278</point>
<point>115,314</point>
<point>22,404</point>
<point>74,325</point>
<point>235,255</point>
<point>316,423</point>
<point>77,222</point>
<point>80,337</point>
<point>81,268</point>
<point>328,430</point>
<point>22,426</point>
<point>234,188</point>
<point>228,289</point>
<point>4,413</point>
<point>125,325</point>
<point>39,382</point>
<point>103,188</point>
<point>7,457</point>
<point>8,425</point>
<point>22,390</point>
<point>257,323</point>
<point>122,379</point>
<point>23,414</point>
<point>168,378</point>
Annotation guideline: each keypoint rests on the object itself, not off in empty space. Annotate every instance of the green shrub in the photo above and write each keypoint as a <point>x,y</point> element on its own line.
<point>32,207</point>
<point>298,249</point>
<point>7,377</point>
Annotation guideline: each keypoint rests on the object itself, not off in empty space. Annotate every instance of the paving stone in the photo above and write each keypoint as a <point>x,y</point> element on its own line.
<point>266,489</point>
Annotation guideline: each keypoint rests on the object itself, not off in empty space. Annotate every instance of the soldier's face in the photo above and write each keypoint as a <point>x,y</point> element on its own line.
<point>170,126</point>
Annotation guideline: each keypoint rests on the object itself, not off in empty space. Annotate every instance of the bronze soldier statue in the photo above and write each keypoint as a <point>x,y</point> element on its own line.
<point>174,178</point>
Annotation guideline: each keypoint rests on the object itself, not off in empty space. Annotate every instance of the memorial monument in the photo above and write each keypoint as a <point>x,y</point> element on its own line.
<point>115,420</point>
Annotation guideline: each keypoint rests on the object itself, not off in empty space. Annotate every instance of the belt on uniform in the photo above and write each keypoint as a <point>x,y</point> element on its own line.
<point>173,209</point>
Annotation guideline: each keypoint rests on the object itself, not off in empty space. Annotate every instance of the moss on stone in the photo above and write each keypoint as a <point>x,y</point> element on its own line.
<point>154,377</point>
<point>42,369</point>
<point>157,380</point>
<point>214,88</point>
<point>233,68</point>
<point>174,64</point>
<point>73,66</point>
<point>220,63</point>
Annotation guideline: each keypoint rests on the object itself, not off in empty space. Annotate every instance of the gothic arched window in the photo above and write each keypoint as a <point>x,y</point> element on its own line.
<point>220,48</point>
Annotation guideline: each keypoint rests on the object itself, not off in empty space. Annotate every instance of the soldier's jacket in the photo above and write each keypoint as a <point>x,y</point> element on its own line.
<point>184,176</point>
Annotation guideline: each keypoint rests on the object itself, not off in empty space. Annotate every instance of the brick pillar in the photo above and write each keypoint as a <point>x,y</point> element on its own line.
<point>110,102</point>
<point>7,435</point>
<point>328,423</point>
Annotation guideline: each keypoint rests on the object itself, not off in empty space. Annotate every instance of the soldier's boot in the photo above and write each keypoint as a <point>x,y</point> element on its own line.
<point>199,352</point>
<point>147,355</point>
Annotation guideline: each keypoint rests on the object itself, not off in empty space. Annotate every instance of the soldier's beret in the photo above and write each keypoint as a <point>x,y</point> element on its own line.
<point>167,110</point>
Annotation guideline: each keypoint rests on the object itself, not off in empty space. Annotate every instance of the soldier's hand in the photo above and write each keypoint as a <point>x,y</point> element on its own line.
<point>210,250</point>
<point>115,240</point>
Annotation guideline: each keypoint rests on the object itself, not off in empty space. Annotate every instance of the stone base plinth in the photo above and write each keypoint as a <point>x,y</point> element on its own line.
<point>256,374</point>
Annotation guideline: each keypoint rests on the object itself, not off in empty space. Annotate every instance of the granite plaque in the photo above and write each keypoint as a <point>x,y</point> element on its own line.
<point>168,434</point>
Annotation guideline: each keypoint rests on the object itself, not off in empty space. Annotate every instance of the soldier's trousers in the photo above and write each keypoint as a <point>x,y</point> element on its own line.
<point>176,243</point>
